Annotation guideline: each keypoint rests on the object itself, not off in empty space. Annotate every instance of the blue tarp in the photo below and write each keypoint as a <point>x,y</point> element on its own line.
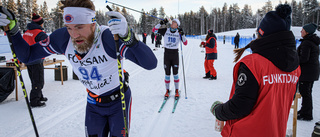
<point>230,39</point>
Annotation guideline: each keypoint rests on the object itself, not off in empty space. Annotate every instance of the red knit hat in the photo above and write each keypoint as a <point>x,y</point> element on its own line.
<point>37,19</point>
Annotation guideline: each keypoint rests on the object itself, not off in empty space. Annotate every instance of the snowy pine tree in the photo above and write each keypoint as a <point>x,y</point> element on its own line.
<point>12,6</point>
<point>57,16</point>
<point>44,13</point>
<point>143,22</point>
<point>28,10</point>
<point>246,19</point>
<point>21,15</point>
<point>35,7</point>
<point>4,3</point>
<point>162,14</point>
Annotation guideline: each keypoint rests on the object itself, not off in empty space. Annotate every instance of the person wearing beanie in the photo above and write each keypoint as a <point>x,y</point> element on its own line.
<point>33,35</point>
<point>172,36</point>
<point>91,51</point>
<point>308,52</point>
<point>211,55</point>
<point>264,82</point>
<point>236,41</point>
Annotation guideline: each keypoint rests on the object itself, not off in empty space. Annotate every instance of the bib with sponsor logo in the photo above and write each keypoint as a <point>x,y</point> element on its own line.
<point>171,40</point>
<point>97,71</point>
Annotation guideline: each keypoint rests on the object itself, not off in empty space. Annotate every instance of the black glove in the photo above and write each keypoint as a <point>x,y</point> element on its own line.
<point>180,31</point>
<point>130,40</point>
<point>165,21</point>
<point>13,25</point>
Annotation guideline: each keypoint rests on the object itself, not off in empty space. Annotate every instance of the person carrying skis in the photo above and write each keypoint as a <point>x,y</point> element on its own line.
<point>172,36</point>
<point>35,68</point>
<point>264,82</point>
<point>90,48</point>
<point>211,55</point>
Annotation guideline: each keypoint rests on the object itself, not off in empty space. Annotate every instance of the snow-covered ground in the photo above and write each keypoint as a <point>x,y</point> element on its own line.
<point>65,111</point>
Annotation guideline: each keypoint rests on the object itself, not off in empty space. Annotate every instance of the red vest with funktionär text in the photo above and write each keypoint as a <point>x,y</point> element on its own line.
<point>269,116</point>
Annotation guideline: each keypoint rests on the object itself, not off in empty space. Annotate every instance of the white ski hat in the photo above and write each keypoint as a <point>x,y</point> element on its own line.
<point>177,21</point>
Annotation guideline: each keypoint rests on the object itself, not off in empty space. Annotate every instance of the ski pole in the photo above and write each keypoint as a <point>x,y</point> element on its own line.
<point>123,101</point>
<point>184,76</point>
<point>135,10</point>
<point>21,81</point>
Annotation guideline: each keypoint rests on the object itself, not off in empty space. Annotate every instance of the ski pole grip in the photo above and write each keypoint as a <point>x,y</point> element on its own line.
<point>115,36</point>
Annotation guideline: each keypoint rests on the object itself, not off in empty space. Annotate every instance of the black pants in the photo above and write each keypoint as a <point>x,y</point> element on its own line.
<point>144,40</point>
<point>171,59</point>
<point>158,43</point>
<point>305,89</point>
<point>236,46</point>
<point>152,40</point>
<point>36,74</point>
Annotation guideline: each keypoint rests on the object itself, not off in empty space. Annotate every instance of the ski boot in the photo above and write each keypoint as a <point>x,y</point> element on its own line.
<point>207,75</point>
<point>212,77</point>
<point>177,94</point>
<point>167,93</point>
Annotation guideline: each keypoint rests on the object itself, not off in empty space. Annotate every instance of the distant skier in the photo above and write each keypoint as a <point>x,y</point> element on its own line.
<point>211,55</point>
<point>90,48</point>
<point>236,41</point>
<point>144,37</point>
<point>172,37</point>
<point>264,83</point>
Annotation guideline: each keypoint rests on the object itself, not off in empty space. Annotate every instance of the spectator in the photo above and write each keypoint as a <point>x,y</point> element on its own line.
<point>144,37</point>
<point>211,55</point>
<point>152,37</point>
<point>308,52</point>
<point>236,41</point>
<point>35,34</point>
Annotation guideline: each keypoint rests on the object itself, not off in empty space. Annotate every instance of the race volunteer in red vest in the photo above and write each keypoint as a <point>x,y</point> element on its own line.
<point>33,35</point>
<point>211,55</point>
<point>264,82</point>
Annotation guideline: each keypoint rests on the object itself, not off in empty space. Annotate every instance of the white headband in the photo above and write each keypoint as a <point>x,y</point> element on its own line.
<point>78,15</point>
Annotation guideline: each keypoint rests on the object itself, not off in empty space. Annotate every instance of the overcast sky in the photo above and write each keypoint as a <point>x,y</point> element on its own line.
<point>173,7</point>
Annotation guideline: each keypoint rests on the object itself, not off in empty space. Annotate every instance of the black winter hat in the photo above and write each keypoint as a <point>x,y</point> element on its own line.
<point>210,32</point>
<point>310,28</point>
<point>37,19</point>
<point>275,21</point>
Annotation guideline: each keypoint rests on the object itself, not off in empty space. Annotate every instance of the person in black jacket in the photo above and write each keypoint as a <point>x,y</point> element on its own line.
<point>152,37</point>
<point>308,52</point>
<point>144,37</point>
<point>158,40</point>
<point>35,34</point>
<point>236,41</point>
